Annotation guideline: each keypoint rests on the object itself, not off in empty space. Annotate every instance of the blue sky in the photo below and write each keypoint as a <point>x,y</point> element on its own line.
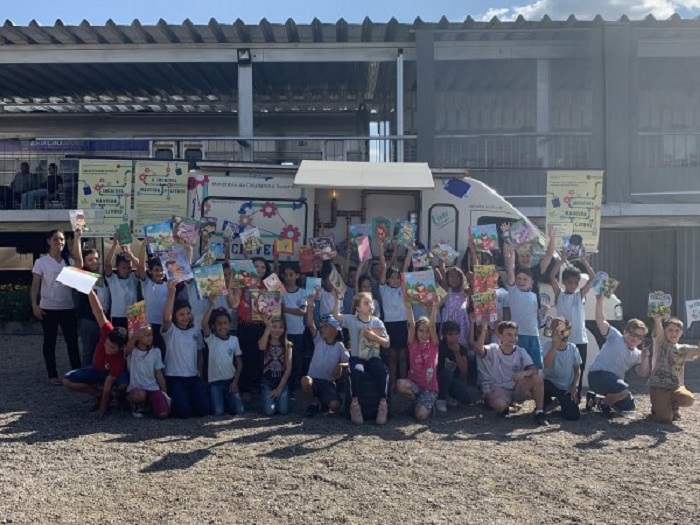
<point>303,11</point>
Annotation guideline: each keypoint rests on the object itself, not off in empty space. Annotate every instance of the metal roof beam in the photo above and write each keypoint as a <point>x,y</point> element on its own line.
<point>669,48</point>
<point>485,50</point>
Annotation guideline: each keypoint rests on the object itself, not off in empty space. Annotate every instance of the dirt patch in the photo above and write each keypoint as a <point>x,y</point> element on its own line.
<point>57,465</point>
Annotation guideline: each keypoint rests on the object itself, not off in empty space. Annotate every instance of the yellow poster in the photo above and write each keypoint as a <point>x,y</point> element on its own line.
<point>104,192</point>
<point>160,191</point>
<point>576,197</point>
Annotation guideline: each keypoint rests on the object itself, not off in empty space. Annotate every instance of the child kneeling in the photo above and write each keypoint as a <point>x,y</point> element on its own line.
<point>562,370</point>
<point>147,383</point>
<point>421,385</point>
<point>277,367</point>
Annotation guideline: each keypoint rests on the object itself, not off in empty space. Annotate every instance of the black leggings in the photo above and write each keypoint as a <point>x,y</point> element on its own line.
<point>373,368</point>
<point>67,320</point>
<point>583,350</point>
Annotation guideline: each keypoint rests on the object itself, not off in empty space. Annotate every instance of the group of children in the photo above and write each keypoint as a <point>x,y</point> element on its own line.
<point>372,340</point>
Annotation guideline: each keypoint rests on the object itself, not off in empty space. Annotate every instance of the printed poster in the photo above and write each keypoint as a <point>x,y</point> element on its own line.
<point>104,187</point>
<point>160,190</point>
<point>692,311</point>
<point>576,197</point>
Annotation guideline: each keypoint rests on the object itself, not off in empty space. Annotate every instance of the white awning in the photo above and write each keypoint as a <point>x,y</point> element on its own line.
<point>364,175</point>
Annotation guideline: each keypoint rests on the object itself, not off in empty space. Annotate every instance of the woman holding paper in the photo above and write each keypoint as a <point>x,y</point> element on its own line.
<point>52,304</point>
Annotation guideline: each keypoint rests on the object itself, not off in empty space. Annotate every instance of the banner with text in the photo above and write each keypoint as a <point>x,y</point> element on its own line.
<point>105,185</point>
<point>160,191</point>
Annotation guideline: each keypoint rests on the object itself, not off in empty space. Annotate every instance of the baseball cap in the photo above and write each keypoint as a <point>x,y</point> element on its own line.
<point>329,319</point>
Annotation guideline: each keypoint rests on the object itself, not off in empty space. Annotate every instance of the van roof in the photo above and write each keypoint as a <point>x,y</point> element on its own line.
<point>364,175</point>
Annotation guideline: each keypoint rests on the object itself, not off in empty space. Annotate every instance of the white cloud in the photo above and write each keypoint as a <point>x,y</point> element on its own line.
<point>608,9</point>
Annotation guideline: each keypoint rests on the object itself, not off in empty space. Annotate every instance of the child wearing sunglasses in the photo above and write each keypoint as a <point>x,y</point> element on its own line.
<point>562,370</point>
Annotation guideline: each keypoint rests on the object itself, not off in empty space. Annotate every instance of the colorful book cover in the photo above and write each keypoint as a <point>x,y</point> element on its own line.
<point>358,230</point>
<point>406,233</point>
<point>274,284</point>
<point>573,247</point>
<point>485,278</point>
<point>283,246</point>
<point>231,229</point>
<point>123,233</point>
<point>485,238</point>
<point>561,231</point>
<point>306,259</point>
<point>337,283</point>
<point>78,220</point>
<point>446,253</point>
<point>603,284</point>
<point>176,264</point>
<point>520,232</point>
<point>382,229</point>
<point>659,305</point>
<point>440,292</point>
<point>251,239</point>
<point>485,306</point>
<point>420,286</point>
<point>207,226</point>
<point>313,286</point>
<point>364,250</point>
<point>217,249</point>
<point>186,230</point>
<point>136,314</point>
<point>266,304</point>
<point>323,247</point>
<point>368,349</point>
<point>244,273</point>
<point>420,259</point>
<point>206,259</point>
<point>162,235</point>
<point>210,279</point>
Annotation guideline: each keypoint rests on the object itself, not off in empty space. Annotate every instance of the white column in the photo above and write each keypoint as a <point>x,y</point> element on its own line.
<point>245,108</point>
<point>543,89</point>
<point>399,106</point>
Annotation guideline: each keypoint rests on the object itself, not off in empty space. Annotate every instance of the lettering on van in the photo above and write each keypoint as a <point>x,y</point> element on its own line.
<point>442,219</point>
<point>279,185</point>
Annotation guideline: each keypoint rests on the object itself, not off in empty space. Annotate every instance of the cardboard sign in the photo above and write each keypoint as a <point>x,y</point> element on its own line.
<point>78,279</point>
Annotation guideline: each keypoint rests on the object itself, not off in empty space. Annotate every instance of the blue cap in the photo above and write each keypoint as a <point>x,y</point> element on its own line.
<point>329,319</point>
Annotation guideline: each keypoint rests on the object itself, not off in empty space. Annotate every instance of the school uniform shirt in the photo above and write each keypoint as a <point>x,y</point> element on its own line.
<point>500,367</point>
<point>54,295</point>
<point>83,308</point>
<point>155,296</point>
<point>113,364</point>
<point>444,353</point>
<point>295,323</point>
<point>561,373</point>
<point>615,356</point>
<point>668,365</point>
<point>181,357</point>
<point>501,301</point>
<point>455,309</point>
<point>423,364</point>
<point>143,365</point>
<point>523,310</point>
<point>393,303</point>
<point>122,293</point>
<point>570,307</point>
<point>222,353</point>
<point>326,358</point>
<point>359,346</point>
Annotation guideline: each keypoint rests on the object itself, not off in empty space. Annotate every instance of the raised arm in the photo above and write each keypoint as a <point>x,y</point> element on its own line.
<point>410,321</point>
<point>97,310</point>
<point>169,306</point>
<point>554,281</point>
<point>310,323</point>
<point>479,346</point>
<point>509,260</point>
<point>262,342</point>
<point>206,331</point>
<point>551,246</point>
<point>359,273</point>
<point>382,263</point>
<point>407,259</point>
<point>600,320</point>
<point>233,298</point>
<point>473,258</point>
<point>108,263</point>
<point>78,248</point>
<point>433,321</point>
<point>336,310</point>
<point>643,369</point>
<point>143,259</point>
<point>591,276</point>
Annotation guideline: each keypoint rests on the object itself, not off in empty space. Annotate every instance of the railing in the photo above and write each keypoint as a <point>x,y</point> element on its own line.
<point>516,151</point>
<point>669,150</point>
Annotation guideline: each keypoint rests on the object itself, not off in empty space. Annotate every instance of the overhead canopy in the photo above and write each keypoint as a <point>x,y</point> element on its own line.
<point>364,175</point>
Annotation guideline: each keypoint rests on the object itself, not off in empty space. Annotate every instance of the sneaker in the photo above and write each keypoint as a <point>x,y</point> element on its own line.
<point>55,381</point>
<point>552,406</point>
<point>356,413</point>
<point>137,412</point>
<point>382,412</point>
<point>606,410</point>
<point>590,401</point>
<point>312,410</point>
<point>441,405</point>
<point>628,414</point>
<point>452,402</point>
<point>541,419</point>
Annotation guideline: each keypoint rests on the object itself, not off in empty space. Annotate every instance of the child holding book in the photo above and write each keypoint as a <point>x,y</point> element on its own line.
<point>421,385</point>
<point>182,376</point>
<point>454,306</point>
<point>277,367</point>
<point>155,292</point>
<point>562,370</point>
<point>147,386</point>
<point>294,309</point>
<point>225,363</point>
<point>667,391</point>
<point>367,335</point>
<point>329,362</point>
<point>122,283</point>
<point>363,283</point>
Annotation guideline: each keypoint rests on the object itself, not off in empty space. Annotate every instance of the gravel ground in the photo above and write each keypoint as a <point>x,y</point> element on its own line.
<point>57,465</point>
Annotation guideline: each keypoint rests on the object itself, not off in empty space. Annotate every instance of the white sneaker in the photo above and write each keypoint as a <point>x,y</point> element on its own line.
<point>137,412</point>
<point>441,405</point>
<point>452,402</point>
<point>356,413</point>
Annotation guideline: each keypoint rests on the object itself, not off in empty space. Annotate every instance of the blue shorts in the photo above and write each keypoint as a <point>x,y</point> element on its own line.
<point>604,383</point>
<point>89,375</point>
<point>531,343</point>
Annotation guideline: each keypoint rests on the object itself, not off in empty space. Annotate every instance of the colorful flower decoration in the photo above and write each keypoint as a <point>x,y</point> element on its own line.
<point>269,209</point>
<point>142,177</point>
<point>196,181</point>
<point>245,220</point>
<point>206,208</point>
<point>290,232</point>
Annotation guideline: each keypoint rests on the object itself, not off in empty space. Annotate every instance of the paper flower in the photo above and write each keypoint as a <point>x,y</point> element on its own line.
<point>245,220</point>
<point>269,209</point>
<point>290,232</point>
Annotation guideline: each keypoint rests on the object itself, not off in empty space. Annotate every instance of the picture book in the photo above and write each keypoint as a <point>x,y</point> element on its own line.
<point>217,249</point>
<point>692,311</point>
<point>420,259</point>
<point>231,229</point>
<point>207,258</point>
<point>560,231</point>
<point>485,237</point>
<point>176,264</point>
<point>274,284</point>
<point>123,233</point>
<point>162,235</point>
<point>306,259</point>
<point>440,292</point>
<point>207,226</point>
<point>323,247</point>
<point>283,246</point>
<point>364,250</point>
<point>573,247</point>
<point>337,283</point>
<point>368,349</point>
<point>406,233</point>
<point>420,286</point>
<point>381,229</point>
<point>186,230</point>
<point>250,238</point>
<point>266,304</point>
<point>244,273</point>
<point>604,285</point>
<point>446,253</point>
<point>659,305</point>
<point>485,307</point>
<point>136,314</point>
<point>518,233</point>
<point>485,278</point>
<point>210,279</point>
<point>313,286</point>
<point>358,230</point>
<point>78,220</point>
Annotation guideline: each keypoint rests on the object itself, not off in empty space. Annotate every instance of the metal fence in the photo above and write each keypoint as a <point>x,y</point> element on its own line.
<point>669,150</point>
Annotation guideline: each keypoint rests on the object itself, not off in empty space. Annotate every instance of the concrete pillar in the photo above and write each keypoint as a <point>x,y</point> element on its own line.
<point>399,106</point>
<point>425,121</point>
<point>542,125</point>
<point>245,108</point>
